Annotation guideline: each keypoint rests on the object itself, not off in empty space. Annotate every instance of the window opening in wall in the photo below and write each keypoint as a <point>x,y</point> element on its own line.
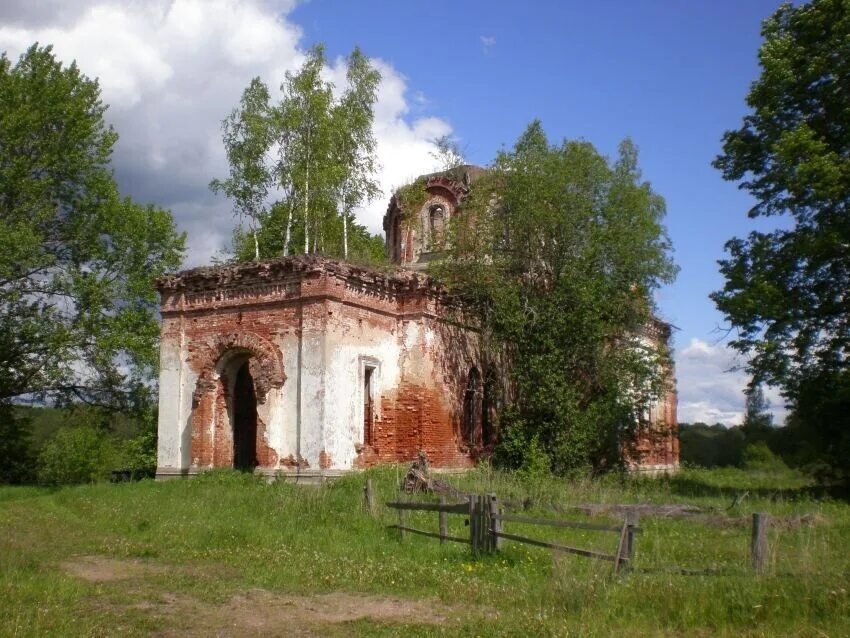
<point>436,221</point>
<point>472,407</point>
<point>244,421</point>
<point>368,400</point>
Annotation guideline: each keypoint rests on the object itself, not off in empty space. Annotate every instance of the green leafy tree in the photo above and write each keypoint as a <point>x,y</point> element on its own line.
<point>81,454</point>
<point>448,153</point>
<point>758,421</point>
<point>354,141</point>
<point>322,169</point>
<point>247,136</point>
<point>786,290</point>
<point>558,251</point>
<point>77,261</point>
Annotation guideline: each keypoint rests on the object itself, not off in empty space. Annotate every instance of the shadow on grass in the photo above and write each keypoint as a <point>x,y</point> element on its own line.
<point>694,486</point>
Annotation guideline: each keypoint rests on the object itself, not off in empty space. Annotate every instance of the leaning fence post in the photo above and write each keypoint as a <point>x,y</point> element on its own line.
<point>444,525</point>
<point>632,519</point>
<point>495,523</point>
<point>369,497</point>
<point>758,546</point>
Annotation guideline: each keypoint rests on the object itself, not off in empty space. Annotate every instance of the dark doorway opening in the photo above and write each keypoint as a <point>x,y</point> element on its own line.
<point>488,424</point>
<point>368,410</point>
<point>244,421</point>
<point>472,408</point>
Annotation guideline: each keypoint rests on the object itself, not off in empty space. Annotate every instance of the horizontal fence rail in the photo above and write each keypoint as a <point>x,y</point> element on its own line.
<point>449,508</point>
<point>561,548</point>
<point>560,523</point>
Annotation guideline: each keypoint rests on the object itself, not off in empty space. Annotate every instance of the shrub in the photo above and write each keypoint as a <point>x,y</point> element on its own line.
<point>758,456</point>
<point>76,455</point>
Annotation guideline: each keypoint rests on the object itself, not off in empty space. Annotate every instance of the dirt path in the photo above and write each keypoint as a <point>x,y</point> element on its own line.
<point>255,612</point>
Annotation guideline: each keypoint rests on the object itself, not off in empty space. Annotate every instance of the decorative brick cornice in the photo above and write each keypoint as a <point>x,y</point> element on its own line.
<point>282,279</point>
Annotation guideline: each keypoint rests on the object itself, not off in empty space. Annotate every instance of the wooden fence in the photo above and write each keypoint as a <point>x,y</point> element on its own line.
<point>486,522</point>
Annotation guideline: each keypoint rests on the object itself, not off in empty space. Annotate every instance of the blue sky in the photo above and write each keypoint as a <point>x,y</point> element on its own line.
<point>672,75</point>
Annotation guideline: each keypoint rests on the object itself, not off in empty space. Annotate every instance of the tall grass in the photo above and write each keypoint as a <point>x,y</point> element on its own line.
<point>223,533</point>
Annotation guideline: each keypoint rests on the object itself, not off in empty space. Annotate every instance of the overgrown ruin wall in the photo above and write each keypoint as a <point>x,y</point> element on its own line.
<point>309,328</point>
<point>314,334</point>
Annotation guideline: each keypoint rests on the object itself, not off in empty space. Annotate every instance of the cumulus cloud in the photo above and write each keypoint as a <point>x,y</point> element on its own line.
<point>171,70</point>
<point>711,385</point>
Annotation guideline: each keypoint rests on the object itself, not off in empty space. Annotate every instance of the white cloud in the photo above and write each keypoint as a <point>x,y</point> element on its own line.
<point>711,385</point>
<point>171,70</point>
<point>488,42</point>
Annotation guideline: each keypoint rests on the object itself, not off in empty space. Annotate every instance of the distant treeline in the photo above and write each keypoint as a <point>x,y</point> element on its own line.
<point>752,446</point>
<point>58,446</point>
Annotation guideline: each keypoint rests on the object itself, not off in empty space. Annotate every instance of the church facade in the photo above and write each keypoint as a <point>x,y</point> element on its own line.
<point>308,366</point>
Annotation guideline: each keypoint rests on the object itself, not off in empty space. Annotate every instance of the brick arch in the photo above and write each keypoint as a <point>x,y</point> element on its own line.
<point>265,363</point>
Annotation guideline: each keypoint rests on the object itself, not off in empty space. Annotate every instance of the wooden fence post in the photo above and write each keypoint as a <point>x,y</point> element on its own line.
<point>495,524</point>
<point>758,546</point>
<point>483,528</point>
<point>369,497</point>
<point>473,533</point>
<point>444,524</point>
<point>632,519</point>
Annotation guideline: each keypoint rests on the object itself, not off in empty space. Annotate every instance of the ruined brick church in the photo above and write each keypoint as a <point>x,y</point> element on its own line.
<point>310,367</point>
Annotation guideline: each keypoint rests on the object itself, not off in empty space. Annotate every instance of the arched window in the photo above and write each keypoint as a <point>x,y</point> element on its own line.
<point>436,225</point>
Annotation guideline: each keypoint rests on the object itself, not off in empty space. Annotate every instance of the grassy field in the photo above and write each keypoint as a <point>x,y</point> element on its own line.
<point>225,555</point>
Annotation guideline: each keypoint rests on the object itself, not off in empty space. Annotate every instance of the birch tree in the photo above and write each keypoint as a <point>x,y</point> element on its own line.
<point>354,140</point>
<point>299,168</point>
<point>247,136</point>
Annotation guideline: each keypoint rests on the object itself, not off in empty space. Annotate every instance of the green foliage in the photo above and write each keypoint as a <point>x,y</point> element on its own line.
<point>77,261</point>
<point>82,454</point>
<point>448,153</point>
<point>520,448</point>
<point>15,453</point>
<point>138,453</point>
<point>323,170</point>
<point>786,290</point>
<point>711,446</point>
<point>558,251</point>
<point>758,456</point>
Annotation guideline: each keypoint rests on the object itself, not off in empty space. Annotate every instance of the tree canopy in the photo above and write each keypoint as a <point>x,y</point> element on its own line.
<point>559,251</point>
<point>299,168</point>
<point>786,291</point>
<point>77,261</point>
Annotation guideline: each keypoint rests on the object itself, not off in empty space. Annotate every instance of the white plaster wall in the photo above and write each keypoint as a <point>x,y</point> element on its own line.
<point>312,389</point>
<point>346,356</point>
<point>283,423</point>
<point>176,383</point>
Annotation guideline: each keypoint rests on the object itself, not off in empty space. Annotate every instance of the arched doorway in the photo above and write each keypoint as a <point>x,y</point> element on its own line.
<point>244,420</point>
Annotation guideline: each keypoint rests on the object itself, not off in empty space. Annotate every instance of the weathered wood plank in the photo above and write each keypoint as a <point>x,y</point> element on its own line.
<point>444,523</point>
<point>561,548</point>
<point>759,541</point>
<point>369,497</point>
<point>449,508</point>
<point>557,523</point>
<point>455,539</point>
